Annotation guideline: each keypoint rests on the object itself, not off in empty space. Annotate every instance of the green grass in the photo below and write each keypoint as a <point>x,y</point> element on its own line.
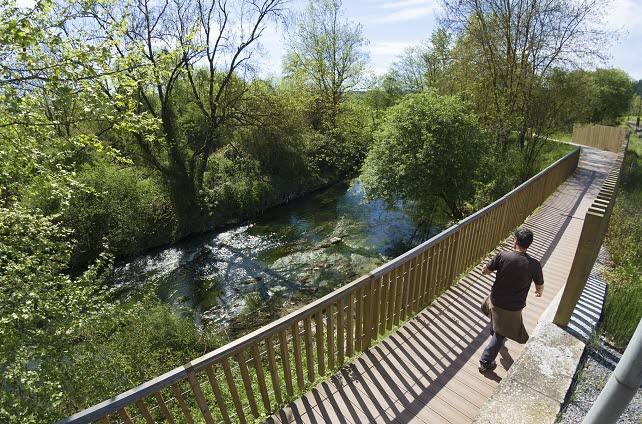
<point>562,136</point>
<point>623,308</point>
<point>551,152</point>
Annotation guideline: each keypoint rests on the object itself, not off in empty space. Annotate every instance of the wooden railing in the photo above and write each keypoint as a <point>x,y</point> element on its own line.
<point>254,375</point>
<point>596,222</point>
<point>599,136</point>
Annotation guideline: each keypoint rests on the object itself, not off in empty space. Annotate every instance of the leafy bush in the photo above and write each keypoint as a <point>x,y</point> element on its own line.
<point>118,351</point>
<point>124,208</point>
<point>427,151</point>
<point>41,309</point>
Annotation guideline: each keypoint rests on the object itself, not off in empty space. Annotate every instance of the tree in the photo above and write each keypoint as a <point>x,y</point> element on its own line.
<point>612,91</point>
<point>427,152</point>
<point>182,54</point>
<point>514,45</point>
<point>327,53</point>
<point>425,65</point>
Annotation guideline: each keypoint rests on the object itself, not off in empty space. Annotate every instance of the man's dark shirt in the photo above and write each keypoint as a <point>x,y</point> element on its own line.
<point>515,272</point>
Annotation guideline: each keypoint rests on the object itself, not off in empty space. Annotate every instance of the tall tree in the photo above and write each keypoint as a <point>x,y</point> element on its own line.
<point>514,45</point>
<point>612,91</point>
<point>183,53</point>
<point>425,65</point>
<point>327,52</point>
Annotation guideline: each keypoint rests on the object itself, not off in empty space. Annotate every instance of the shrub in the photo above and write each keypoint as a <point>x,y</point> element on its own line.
<point>427,151</point>
<point>124,208</point>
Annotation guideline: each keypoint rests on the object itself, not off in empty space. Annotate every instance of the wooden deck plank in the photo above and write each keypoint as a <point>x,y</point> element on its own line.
<point>426,371</point>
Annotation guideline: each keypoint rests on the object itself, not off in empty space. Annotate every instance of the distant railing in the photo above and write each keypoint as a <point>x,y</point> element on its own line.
<point>596,222</point>
<point>255,374</point>
<point>599,136</point>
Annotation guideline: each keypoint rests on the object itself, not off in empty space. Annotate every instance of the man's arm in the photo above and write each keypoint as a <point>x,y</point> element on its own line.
<point>492,264</point>
<point>538,279</point>
<point>539,289</point>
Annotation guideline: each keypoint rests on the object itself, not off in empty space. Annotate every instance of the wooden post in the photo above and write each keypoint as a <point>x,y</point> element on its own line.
<point>581,267</point>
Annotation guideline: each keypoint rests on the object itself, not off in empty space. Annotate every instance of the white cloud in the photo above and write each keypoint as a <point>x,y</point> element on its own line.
<point>400,11</point>
<point>391,48</point>
<point>406,3</point>
<point>406,14</point>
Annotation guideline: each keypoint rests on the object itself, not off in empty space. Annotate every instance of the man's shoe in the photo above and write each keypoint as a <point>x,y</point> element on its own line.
<point>485,367</point>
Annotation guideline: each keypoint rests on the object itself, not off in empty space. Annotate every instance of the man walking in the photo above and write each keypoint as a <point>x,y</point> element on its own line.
<point>515,272</point>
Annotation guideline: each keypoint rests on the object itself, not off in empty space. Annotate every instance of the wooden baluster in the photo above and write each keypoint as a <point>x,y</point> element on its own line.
<point>468,236</point>
<point>274,371</point>
<point>240,414</point>
<point>260,375</point>
<point>163,407</point>
<point>247,383</point>
<point>319,338</point>
<point>367,314</point>
<point>176,390</point>
<point>374,309</point>
<point>200,399</point>
<point>298,363</point>
<point>217,394</point>
<point>125,416</point>
<point>428,275</point>
<point>457,269</point>
<point>383,303</point>
<point>285,359</point>
<point>407,289</point>
<point>308,349</point>
<point>437,269</point>
<point>329,319</point>
<point>423,283</point>
<point>358,329</point>
<point>349,326</point>
<point>140,404</point>
<point>447,262</point>
<point>340,332</point>
<point>392,294</point>
<point>399,293</point>
<point>418,284</point>
<point>104,420</point>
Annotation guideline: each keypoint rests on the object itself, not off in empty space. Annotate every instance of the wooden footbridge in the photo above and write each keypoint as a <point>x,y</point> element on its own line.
<point>402,343</point>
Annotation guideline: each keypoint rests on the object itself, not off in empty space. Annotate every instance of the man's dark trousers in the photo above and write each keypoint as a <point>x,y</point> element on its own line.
<point>492,349</point>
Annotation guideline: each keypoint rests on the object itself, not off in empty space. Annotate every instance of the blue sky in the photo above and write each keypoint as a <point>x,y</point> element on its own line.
<point>392,25</point>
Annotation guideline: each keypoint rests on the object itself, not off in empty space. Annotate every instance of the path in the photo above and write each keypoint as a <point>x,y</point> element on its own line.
<point>426,371</point>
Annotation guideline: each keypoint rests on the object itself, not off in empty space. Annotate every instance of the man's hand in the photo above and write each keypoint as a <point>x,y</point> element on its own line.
<point>539,289</point>
<point>486,270</point>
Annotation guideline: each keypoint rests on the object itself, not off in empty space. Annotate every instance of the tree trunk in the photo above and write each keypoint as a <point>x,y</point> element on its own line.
<point>189,213</point>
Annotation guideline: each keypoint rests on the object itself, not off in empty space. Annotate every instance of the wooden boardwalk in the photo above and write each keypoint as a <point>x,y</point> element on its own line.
<point>426,371</point>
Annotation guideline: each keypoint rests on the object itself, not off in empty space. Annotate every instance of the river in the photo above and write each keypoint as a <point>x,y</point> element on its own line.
<point>245,276</point>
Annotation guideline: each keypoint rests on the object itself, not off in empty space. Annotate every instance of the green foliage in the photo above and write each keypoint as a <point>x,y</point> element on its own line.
<point>426,151</point>
<point>119,351</point>
<point>41,310</point>
<point>623,308</point>
<point>612,90</point>
<point>126,208</point>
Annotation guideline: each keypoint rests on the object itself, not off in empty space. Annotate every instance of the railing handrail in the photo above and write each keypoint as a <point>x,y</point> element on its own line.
<point>475,215</point>
<point>180,373</point>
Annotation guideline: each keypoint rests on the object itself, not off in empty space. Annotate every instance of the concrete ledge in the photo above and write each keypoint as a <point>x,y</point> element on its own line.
<point>537,383</point>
